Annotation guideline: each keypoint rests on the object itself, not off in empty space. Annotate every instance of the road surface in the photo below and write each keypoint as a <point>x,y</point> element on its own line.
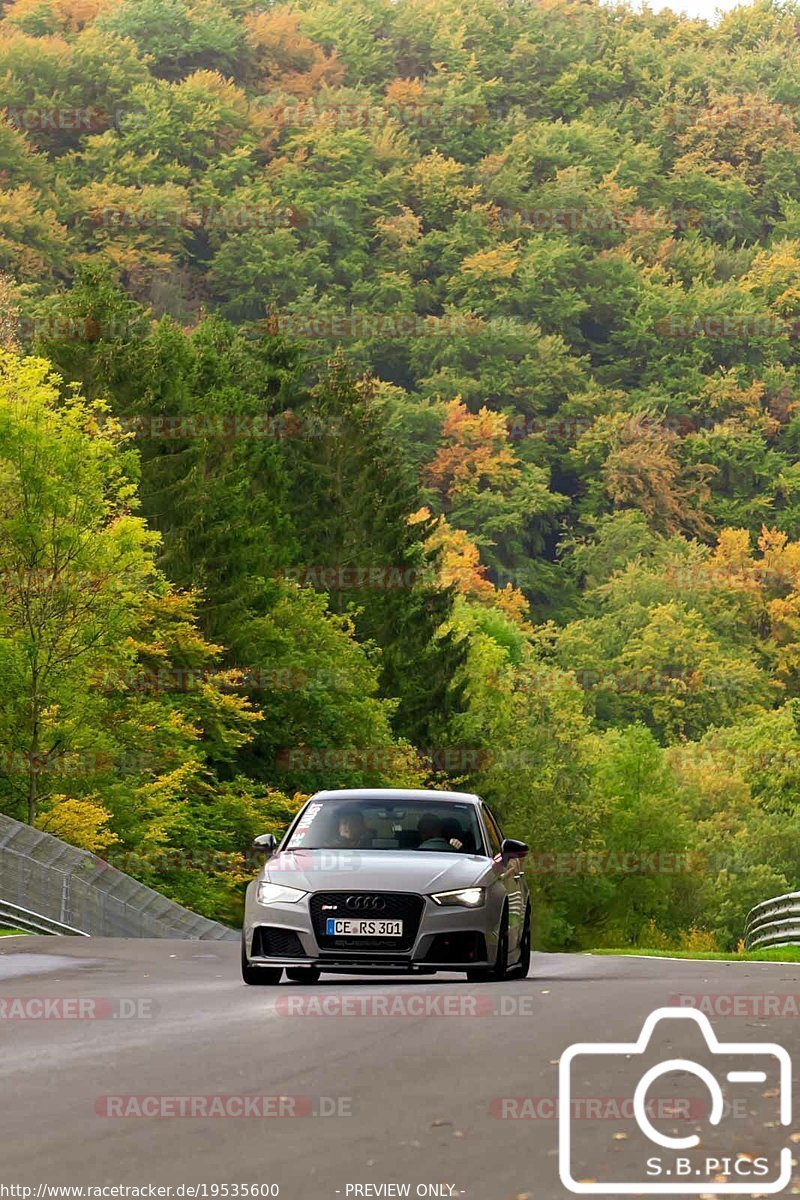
<point>430,1083</point>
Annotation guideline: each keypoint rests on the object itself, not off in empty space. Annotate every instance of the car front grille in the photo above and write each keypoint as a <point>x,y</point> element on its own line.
<point>392,906</point>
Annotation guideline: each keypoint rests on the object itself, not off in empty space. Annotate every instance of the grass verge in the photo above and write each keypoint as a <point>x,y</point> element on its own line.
<point>9,932</point>
<point>785,954</point>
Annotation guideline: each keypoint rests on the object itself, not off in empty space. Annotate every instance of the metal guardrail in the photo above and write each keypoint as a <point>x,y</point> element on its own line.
<point>22,918</point>
<point>774,923</point>
<point>47,886</point>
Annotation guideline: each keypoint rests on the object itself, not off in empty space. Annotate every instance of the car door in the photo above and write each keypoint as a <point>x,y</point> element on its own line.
<point>511,876</point>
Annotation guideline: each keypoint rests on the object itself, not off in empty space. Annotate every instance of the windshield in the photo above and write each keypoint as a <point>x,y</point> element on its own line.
<point>417,825</point>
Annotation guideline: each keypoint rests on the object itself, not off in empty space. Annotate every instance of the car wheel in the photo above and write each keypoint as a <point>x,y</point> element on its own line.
<point>500,969</point>
<point>303,974</point>
<point>259,976</point>
<point>521,968</point>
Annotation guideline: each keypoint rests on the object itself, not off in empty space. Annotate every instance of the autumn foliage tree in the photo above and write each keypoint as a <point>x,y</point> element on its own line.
<point>562,243</point>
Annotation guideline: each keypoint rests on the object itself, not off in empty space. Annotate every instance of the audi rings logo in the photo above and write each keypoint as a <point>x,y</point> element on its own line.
<point>365,903</point>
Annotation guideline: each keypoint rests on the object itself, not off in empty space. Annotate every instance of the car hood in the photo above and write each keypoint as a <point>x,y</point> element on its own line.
<point>377,870</point>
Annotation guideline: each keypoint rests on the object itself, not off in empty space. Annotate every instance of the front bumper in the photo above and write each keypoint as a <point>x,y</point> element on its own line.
<point>446,939</point>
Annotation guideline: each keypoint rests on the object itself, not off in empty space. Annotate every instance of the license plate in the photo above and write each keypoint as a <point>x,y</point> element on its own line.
<point>344,927</point>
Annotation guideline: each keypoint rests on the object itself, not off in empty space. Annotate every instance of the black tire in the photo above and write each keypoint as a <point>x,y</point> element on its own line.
<point>478,975</point>
<point>259,976</point>
<point>521,969</point>
<point>303,974</point>
<point>499,971</point>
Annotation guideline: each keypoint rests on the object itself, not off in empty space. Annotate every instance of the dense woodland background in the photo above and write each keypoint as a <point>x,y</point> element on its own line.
<point>406,392</point>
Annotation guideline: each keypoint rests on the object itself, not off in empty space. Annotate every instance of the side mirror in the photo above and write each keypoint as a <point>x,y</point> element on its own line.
<point>266,842</point>
<point>513,849</point>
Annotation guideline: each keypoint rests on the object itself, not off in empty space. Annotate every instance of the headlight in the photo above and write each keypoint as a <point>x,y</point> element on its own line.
<point>463,898</point>
<point>274,893</point>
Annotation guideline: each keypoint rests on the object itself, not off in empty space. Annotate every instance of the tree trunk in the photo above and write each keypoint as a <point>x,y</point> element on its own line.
<point>33,767</point>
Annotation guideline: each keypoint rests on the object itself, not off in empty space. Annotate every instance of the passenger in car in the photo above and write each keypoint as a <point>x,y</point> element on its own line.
<point>453,833</point>
<point>431,834</point>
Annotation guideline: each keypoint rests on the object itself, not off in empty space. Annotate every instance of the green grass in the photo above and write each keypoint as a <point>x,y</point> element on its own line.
<point>786,954</point>
<point>9,932</point>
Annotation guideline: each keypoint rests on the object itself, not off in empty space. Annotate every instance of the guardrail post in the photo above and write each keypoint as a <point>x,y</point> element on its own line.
<point>65,900</point>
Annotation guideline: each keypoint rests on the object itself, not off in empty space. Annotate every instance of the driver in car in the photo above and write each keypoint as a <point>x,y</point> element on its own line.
<point>352,831</point>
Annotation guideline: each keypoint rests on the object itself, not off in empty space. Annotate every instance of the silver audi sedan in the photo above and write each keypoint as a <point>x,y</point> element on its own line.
<point>387,881</point>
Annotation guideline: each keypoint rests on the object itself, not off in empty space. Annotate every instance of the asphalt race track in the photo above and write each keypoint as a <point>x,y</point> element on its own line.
<point>425,1091</point>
